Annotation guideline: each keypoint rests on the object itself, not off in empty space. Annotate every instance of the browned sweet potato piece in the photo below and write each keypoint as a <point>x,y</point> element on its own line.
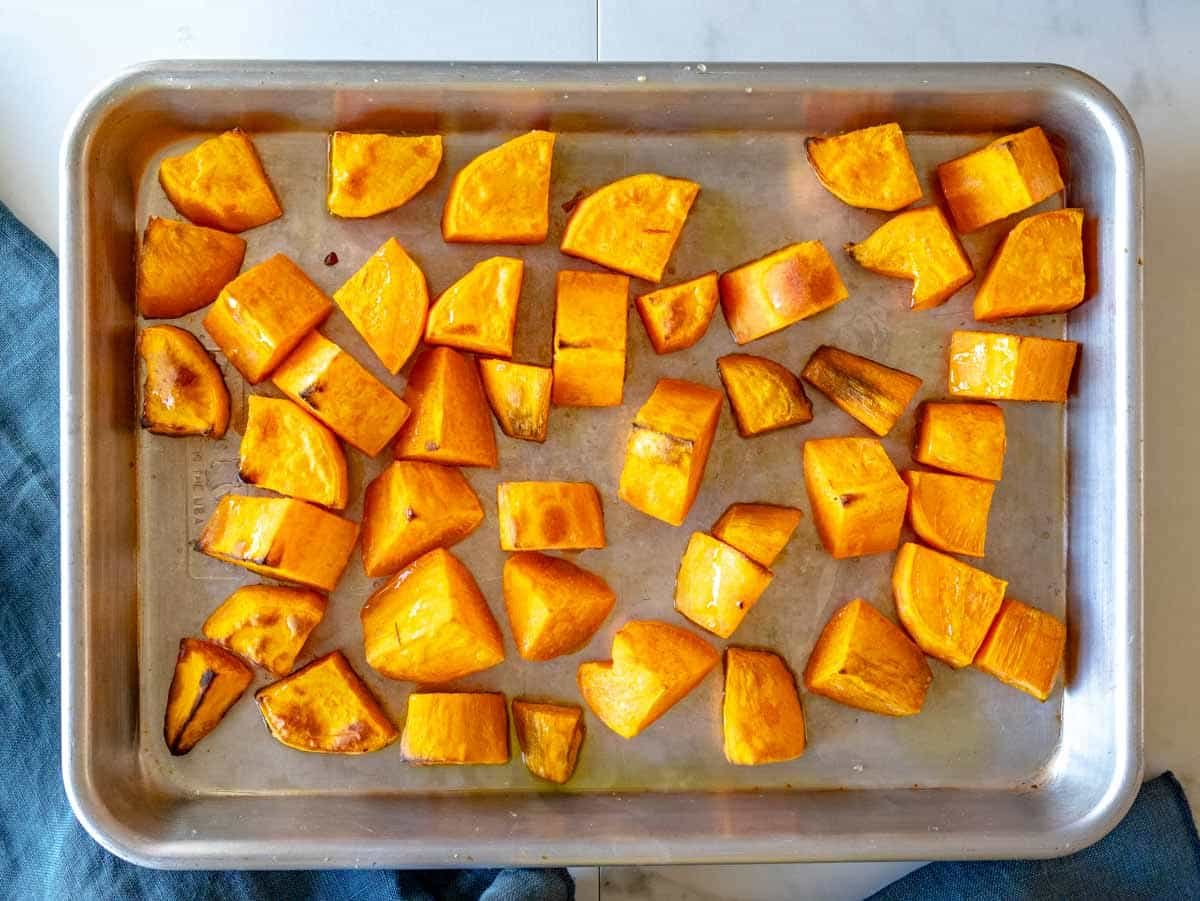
<point>550,736</point>
<point>450,422</point>
<point>208,681</point>
<point>1037,270</point>
<point>554,606</point>
<point>763,395</point>
<point>267,624</point>
<point>717,585</point>
<point>968,439</point>
<point>479,311</point>
<point>183,392</point>
<point>872,393</point>
<point>762,719</point>
<point>949,512</point>
<point>519,394</point>
<point>917,245</point>
<point>183,267</point>
<point>503,195</point>
<point>535,516</point>
<point>676,317</point>
<point>858,499</point>
<point>868,168</point>
<point>387,301</point>
<point>221,183</point>
<point>370,174</point>
<point>455,728</point>
<point>996,366</point>
<point>1024,648</point>
<point>285,449</point>
<point>590,322</point>
<point>760,531</point>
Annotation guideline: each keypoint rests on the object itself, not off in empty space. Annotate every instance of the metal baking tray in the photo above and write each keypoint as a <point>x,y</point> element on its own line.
<point>984,771</point>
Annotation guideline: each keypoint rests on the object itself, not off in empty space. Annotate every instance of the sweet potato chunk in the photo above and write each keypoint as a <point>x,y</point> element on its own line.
<point>762,719</point>
<point>262,315</point>
<point>387,301</point>
<point>858,499</point>
<point>632,224</point>
<point>208,681</point>
<point>717,585</point>
<point>760,531</point>
<point>949,512</point>
<point>183,392</point>
<point>998,366</point>
<point>864,660</point>
<point>653,666</point>
<point>519,395</point>
<point>267,624</point>
<point>370,174</point>
<point>284,449</point>
<point>479,311</point>
<point>946,606</point>
<point>429,623</point>
<point>677,317</point>
<point>872,393</point>
<point>183,267</point>
<point>1024,648</point>
<point>668,448</point>
<point>455,728</point>
<point>1037,269</point>
<point>921,246</point>
<point>503,196</point>
<point>1008,175</point>
<point>590,321</point>
<point>763,394</point>
<point>550,736</point>
<point>968,439</point>
<point>281,538</point>
<point>536,516</point>
<point>450,421</point>
<point>868,168</point>
<point>769,294</point>
<point>327,708</point>
<point>553,605</point>
<point>221,183</point>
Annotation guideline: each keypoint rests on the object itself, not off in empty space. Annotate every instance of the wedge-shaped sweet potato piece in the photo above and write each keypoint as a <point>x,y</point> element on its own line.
<point>590,322</point>
<point>411,508</point>
<point>503,195</point>
<point>917,245</point>
<point>221,183</point>
<point>370,174</point>
<point>450,422</point>
<point>764,395</point>
<point>554,606</point>
<point>668,448</point>
<point>1038,269</point>
<point>429,623</point>
<point>280,537</point>
<point>868,168</point>
<point>769,294</point>
<point>676,317</point>
<point>285,449</point>
<point>998,366</point>
<point>653,666</point>
<point>327,708</point>
<point>1008,175</point>
<point>858,499</point>
<point>183,267</point>
<point>864,660</point>
<point>946,605</point>
<point>183,392</point>
<point>760,531</point>
<point>872,393</point>
<point>717,585</point>
<point>550,736</point>
<point>455,728</point>
<point>537,516</point>
<point>387,301</point>
<point>762,719</point>
<point>519,394</point>
<point>949,512</point>
<point>1024,648</point>
<point>208,681</point>
<point>479,311</point>
<point>267,624</point>
<point>632,224</point>
<point>262,315</point>
<point>966,438</point>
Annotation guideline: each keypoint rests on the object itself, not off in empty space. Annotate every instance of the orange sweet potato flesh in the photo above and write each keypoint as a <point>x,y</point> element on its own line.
<point>868,168</point>
<point>183,392</point>
<point>631,225</point>
<point>183,267</point>
<point>208,681</point>
<point>762,719</point>
<point>858,499</point>
<point>325,707</point>
<point>760,531</point>
<point>387,301</point>
<point>965,438</point>
<point>503,196</point>
<point>653,666</point>
<point>771,293</point>
<point>456,728</point>
<point>479,311</point>
<point>450,422</point>
<point>519,395</point>
<point>286,450</point>
<point>946,605</point>
<point>1037,270</point>
<point>998,366</point>
<point>1024,648</point>
<point>874,394</point>
<point>536,516</point>
<point>554,606</point>
<point>717,585</point>
<point>260,316</point>
<point>864,660</point>
<point>763,394</point>
<point>370,174</point>
<point>267,624</point>
<point>590,330</point>
<point>221,183</point>
<point>429,623</point>
<point>550,736</point>
<point>676,317</point>
<point>949,512</point>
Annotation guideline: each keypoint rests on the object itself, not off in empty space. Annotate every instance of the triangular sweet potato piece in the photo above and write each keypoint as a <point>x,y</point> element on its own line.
<point>285,449</point>
<point>503,196</point>
<point>1037,270</point>
<point>868,168</point>
<point>386,301</point>
<point>208,681</point>
<point>183,392</point>
<point>221,183</point>
<point>450,422</point>
<point>920,245</point>
<point>370,174</point>
<point>183,267</point>
<point>519,394</point>
<point>479,311</point>
<point>676,317</point>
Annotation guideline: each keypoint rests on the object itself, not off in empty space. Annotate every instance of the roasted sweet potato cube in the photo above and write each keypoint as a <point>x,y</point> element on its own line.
<point>1008,175</point>
<point>537,516</point>
<point>387,301</point>
<point>769,294</point>
<point>479,311</point>
<point>764,395</point>
<point>760,531</point>
<point>946,605</point>
<point>632,224</point>
<point>284,449</point>
<point>281,538</point>
<point>183,267</point>
<point>872,393</point>
<point>1024,648</point>
<point>868,168</point>
<point>326,707</point>
<point>260,316</point>
<point>717,585</point>
<point>1037,270</point>
<point>411,508</point>
<point>858,499</point>
<point>267,624</point>
<point>997,366</point>
<point>590,321</point>
<point>183,392</point>
<point>550,736</point>
<point>653,666</point>
<point>208,681</point>
<point>968,439</point>
<point>503,196</point>
<point>370,174</point>
<point>864,660</point>
<point>917,245</point>
<point>221,183</point>
<point>429,623</point>
<point>554,606</point>
<point>519,394</point>
<point>676,317</point>
<point>949,512</point>
<point>455,728</point>
<point>450,422</point>
<point>762,719</point>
